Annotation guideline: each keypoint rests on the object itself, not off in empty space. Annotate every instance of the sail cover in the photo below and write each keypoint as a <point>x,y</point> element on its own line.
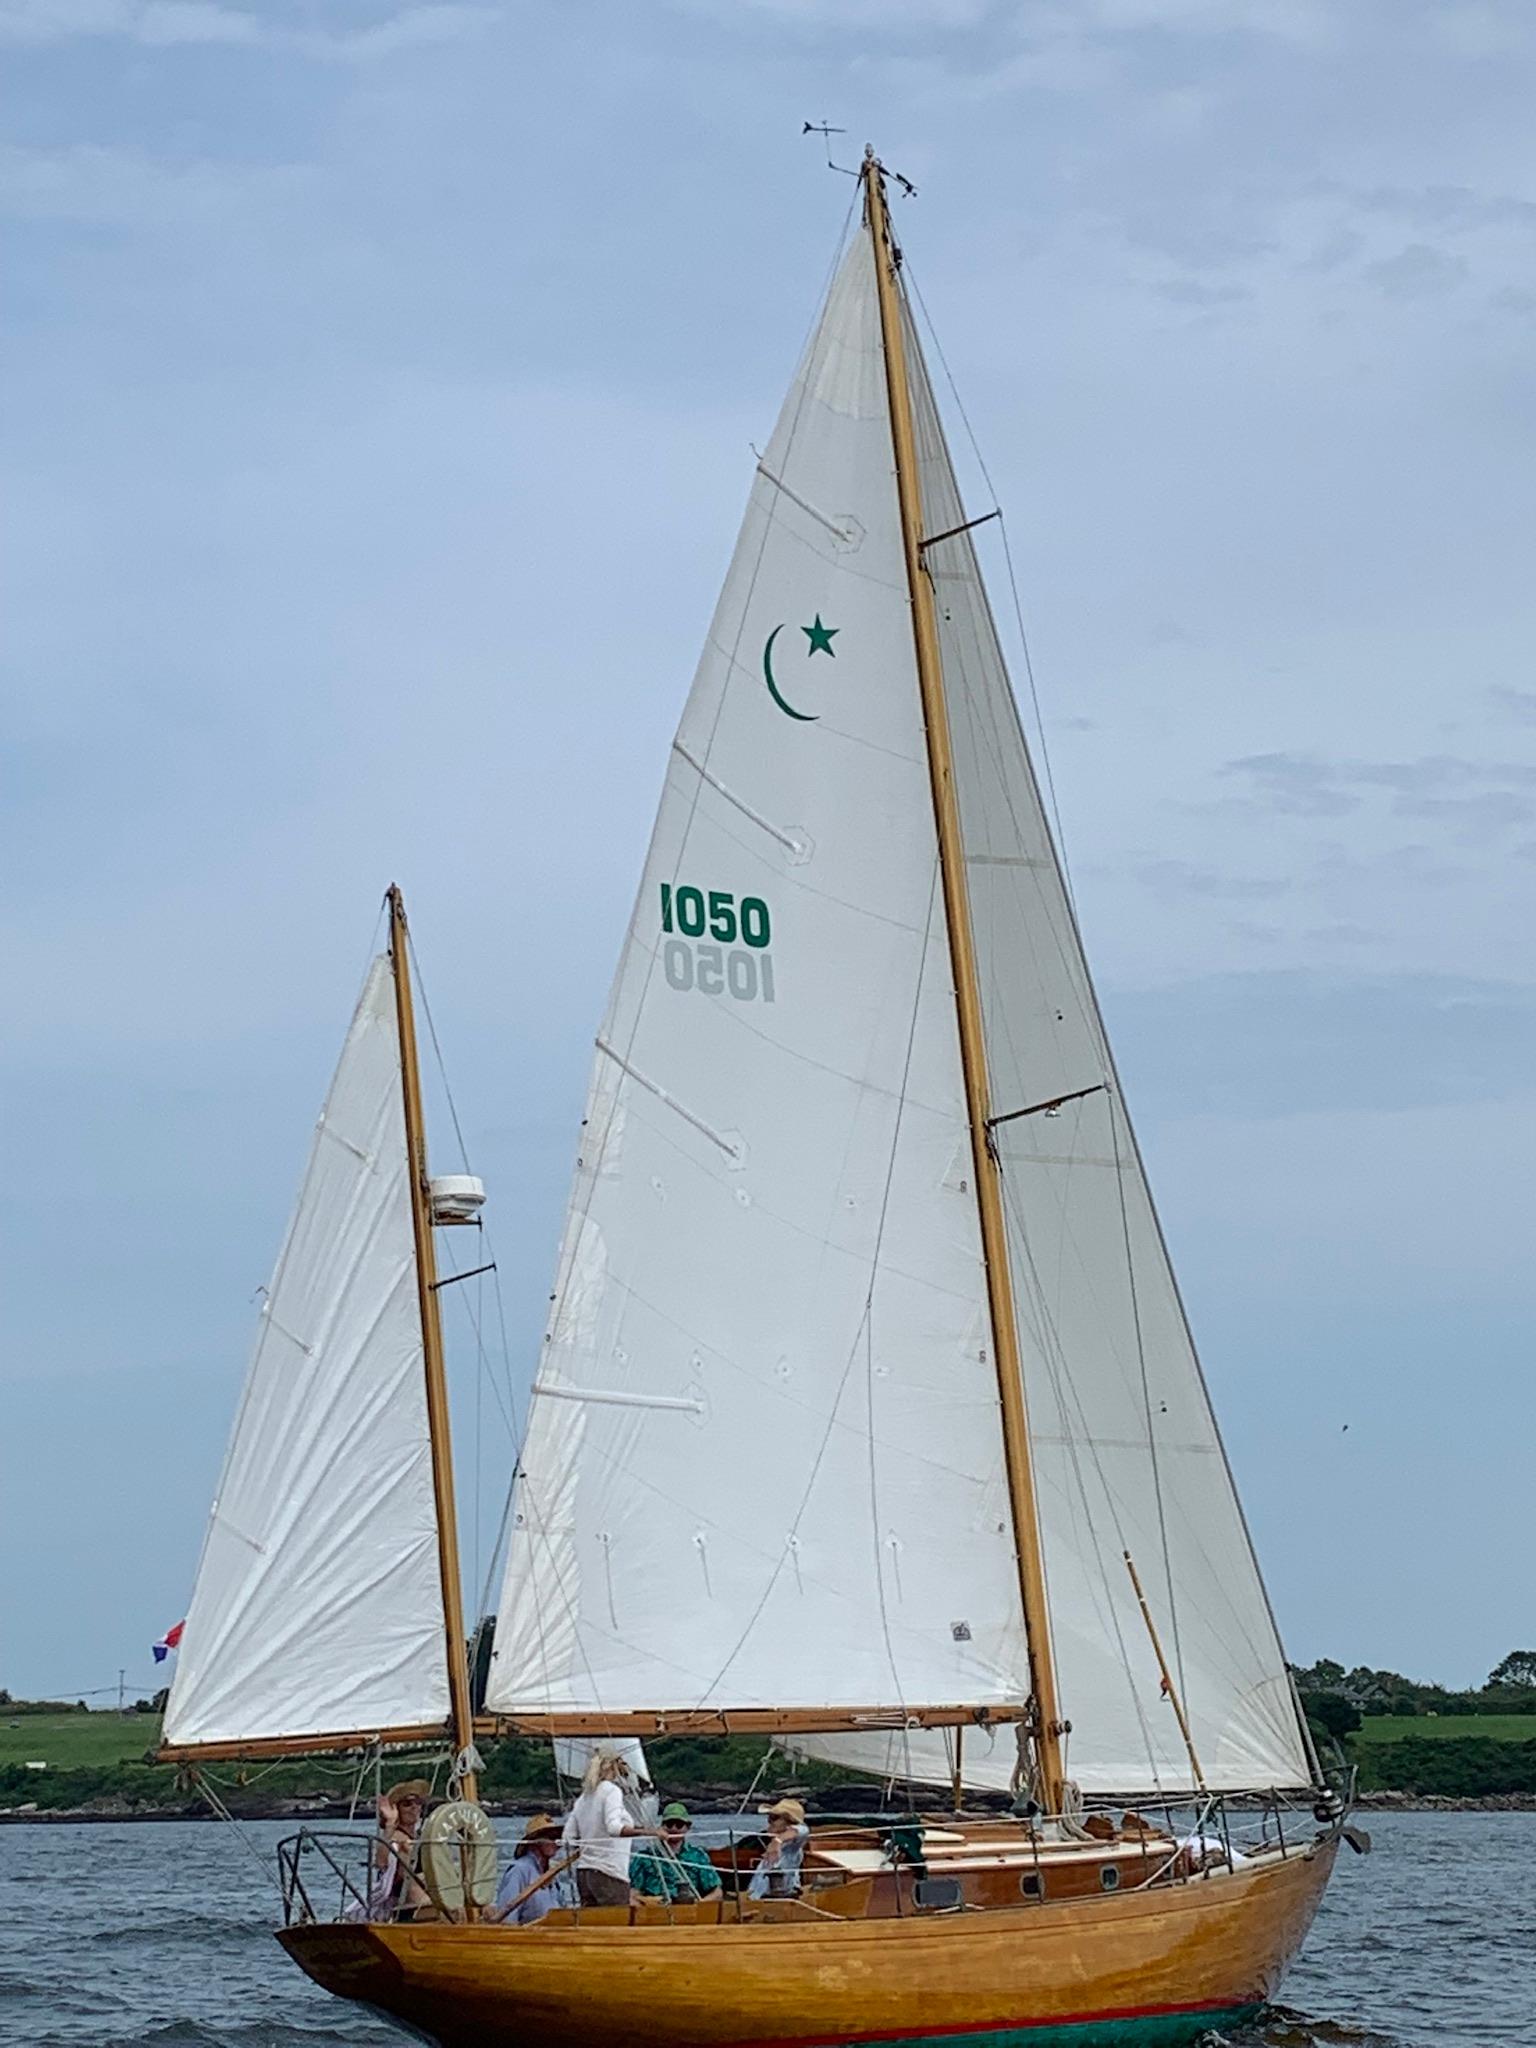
<point>317,1608</point>
<point>763,1465</point>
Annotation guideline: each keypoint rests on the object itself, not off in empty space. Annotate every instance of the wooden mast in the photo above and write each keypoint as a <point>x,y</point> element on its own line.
<point>1049,1727</point>
<point>432,1344</point>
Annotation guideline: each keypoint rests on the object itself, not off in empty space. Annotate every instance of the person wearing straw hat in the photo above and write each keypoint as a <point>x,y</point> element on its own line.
<point>777,1875</point>
<point>394,1891</point>
<point>675,1869</point>
<point>518,1903</point>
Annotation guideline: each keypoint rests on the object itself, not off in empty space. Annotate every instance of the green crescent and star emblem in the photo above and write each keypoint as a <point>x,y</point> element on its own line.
<point>821,638</point>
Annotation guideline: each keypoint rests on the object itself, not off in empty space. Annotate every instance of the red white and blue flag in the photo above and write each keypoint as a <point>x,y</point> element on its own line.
<point>168,1642</point>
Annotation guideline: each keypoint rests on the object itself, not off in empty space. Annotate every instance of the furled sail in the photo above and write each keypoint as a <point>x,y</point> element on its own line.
<point>764,1466</point>
<point>318,1608</point>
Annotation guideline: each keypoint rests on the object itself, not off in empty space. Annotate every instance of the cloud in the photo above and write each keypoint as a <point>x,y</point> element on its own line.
<point>1298,783</point>
<point>1475,30</point>
<point>1453,209</point>
<point>1298,1041</point>
<point>414,28</point>
<point>194,21</point>
<point>1519,705</point>
<point>1292,21</point>
<point>1190,291</point>
<point>1042,23</point>
<point>109,187</point>
<point>1417,272</point>
<point>164,24</point>
<point>145,21</point>
<point>1191,878</point>
<point>849,17</point>
<point>1481,798</point>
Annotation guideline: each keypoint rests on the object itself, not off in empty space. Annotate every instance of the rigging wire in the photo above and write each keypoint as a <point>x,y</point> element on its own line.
<point>268,1866</point>
<point>1146,1397</point>
<point>1084,997</point>
<point>473,1308</point>
<point>1013,581</point>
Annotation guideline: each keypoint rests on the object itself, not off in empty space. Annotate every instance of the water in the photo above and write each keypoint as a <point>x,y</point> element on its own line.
<point>159,1936</point>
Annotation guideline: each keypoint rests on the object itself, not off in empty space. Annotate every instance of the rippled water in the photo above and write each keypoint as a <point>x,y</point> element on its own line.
<point>159,1936</point>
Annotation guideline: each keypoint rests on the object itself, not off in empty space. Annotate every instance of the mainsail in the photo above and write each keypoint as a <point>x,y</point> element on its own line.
<point>764,1464</point>
<point>763,1467</point>
<point>318,1607</point>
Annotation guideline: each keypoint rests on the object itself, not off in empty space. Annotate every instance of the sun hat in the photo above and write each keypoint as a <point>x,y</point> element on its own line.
<point>536,1826</point>
<point>409,1788</point>
<point>677,1811</point>
<point>786,1809</point>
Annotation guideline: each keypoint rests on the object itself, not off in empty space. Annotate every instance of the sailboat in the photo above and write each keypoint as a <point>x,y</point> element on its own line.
<point>866,1419</point>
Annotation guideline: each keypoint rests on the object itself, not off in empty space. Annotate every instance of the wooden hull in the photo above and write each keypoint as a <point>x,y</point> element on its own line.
<point>1143,1968</point>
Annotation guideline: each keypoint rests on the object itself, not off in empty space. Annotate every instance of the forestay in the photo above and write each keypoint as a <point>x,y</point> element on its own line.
<point>317,1607</point>
<point>763,1464</point>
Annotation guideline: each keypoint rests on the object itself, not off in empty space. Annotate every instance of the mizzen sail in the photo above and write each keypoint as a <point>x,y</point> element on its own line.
<point>318,1609</point>
<point>764,1466</point>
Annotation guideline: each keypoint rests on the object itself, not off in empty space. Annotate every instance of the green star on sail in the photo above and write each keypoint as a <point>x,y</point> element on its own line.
<point>821,638</point>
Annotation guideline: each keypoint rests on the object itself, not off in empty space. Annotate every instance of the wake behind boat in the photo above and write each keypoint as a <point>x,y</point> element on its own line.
<point>857,1193</point>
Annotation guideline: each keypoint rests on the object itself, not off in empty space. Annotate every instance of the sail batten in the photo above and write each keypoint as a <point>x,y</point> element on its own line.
<point>317,1613</point>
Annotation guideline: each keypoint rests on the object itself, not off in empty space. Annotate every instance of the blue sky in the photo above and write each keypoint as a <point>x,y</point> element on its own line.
<point>380,385</point>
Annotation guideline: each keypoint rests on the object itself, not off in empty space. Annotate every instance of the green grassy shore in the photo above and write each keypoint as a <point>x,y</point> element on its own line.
<point>1377,1728</point>
<point>100,1765</point>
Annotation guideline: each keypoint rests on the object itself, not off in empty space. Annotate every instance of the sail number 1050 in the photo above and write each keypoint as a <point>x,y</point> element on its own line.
<point>690,911</point>
<point>745,972</point>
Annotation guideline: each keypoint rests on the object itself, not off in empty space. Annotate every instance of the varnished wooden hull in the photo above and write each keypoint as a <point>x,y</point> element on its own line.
<point>1150,1967</point>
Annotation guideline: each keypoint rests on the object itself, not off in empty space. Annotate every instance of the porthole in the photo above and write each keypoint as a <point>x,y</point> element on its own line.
<point>1109,1877</point>
<point>1030,1885</point>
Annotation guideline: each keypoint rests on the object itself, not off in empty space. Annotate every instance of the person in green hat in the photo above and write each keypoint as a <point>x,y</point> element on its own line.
<point>673,1868</point>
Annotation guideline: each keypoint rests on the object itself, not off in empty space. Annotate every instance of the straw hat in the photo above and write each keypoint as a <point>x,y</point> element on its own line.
<point>786,1809</point>
<point>409,1788</point>
<point>536,1827</point>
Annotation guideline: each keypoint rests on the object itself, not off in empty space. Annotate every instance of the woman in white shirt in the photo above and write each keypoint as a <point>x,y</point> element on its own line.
<point>600,1830</point>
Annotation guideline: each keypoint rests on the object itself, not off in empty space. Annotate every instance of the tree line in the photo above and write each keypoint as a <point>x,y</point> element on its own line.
<point>1338,1700</point>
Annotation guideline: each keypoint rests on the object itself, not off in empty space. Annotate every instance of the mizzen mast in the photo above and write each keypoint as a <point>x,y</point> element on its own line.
<point>432,1345</point>
<point>1048,1727</point>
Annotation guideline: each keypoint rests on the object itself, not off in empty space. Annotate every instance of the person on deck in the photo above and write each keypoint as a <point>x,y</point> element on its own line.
<point>535,1853</point>
<point>599,1829</point>
<point>675,1869</point>
<point>393,1891</point>
<point>777,1875</point>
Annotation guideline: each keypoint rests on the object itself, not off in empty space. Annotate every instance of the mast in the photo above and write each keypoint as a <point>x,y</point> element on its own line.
<point>1049,1727</point>
<point>431,1344</point>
